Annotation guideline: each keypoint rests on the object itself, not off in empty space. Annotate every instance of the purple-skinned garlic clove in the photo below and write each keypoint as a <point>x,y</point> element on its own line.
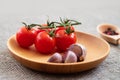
<point>79,50</point>
<point>76,48</point>
<point>55,58</point>
<point>82,57</point>
<point>69,57</point>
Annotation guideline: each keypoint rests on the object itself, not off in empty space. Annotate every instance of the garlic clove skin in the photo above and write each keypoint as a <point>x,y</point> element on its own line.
<point>76,48</point>
<point>82,57</point>
<point>79,50</point>
<point>55,58</point>
<point>70,57</point>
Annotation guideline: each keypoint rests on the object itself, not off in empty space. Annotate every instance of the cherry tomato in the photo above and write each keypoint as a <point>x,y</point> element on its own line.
<point>63,28</point>
<point>44,43</point>
<point>64,40</point>
<point>36,30</point>
<point>25,37</point>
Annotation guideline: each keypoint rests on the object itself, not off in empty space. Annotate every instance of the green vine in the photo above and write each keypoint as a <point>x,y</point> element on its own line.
<point>67,23</point>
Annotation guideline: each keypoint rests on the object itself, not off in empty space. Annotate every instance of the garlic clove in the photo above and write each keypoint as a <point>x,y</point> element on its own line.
<point>79,50</point>
<point>55,58</point>
<point>70,57</point>
<point>82,57</point>
<point>76,48</point>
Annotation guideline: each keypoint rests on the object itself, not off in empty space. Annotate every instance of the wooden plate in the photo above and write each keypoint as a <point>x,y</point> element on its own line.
<point>97,51</point>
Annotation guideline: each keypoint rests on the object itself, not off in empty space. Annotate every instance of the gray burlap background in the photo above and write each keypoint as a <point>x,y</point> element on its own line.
<point>90,13</point>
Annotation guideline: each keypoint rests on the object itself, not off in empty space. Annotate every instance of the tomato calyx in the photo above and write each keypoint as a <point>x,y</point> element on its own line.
<point>52,33</point>
<point>69,30</point>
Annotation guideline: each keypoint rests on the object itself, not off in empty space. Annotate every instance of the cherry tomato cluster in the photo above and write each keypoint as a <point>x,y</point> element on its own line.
<point>48,38</point>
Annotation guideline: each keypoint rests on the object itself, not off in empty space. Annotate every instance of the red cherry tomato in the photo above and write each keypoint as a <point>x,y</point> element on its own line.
<point>64,40</point>
<point>36,30</point>
<point>25,37</point>
<point>63,28</point>
<point>44,43</point>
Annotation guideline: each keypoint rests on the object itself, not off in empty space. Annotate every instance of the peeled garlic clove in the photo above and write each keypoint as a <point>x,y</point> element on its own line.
<point>79,50</point>
<point>70,57</point>
<point>55,58</point>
